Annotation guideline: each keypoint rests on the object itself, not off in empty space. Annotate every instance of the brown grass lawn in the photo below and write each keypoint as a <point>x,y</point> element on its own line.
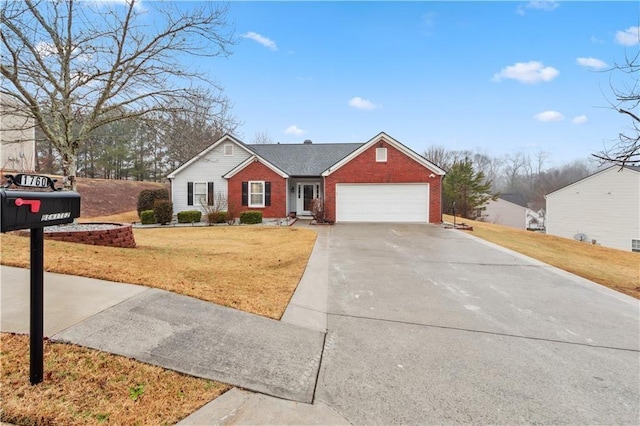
<point>255,269</point>
<point>84,387</point>
<point>612,268</point>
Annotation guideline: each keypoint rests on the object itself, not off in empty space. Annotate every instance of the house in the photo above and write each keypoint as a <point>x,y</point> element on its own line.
<point>377,181</point>
<point>603,208</point>
<point>512,210</point>
<point>508,210</point>
<point>17,138</point>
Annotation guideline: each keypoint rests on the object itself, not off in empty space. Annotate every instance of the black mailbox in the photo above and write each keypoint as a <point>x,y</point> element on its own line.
<point>31,209</point>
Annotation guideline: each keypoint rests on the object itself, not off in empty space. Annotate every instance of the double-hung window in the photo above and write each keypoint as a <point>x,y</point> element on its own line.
<point>256,193</point>
<point>200,193</point>
<point>635,246</point>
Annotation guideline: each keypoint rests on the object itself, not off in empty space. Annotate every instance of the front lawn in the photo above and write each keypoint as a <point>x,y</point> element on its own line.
<point>254,269</point>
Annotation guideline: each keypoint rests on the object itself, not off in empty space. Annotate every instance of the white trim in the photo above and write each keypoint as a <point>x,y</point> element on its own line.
<point>299,194</point>
<point>206,151</point>
<point>249,193</point>
<point>253,159</point>
<point>381,155</point>
<point>383,137</point>
<point>197,202</point>
<point>588,177</point>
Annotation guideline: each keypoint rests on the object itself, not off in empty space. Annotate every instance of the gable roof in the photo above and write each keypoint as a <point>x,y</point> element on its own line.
<point>304,159</point>
<point>255,158</point>
<point>632,168</point>
<point>382,136</point>
<point>224,138</point>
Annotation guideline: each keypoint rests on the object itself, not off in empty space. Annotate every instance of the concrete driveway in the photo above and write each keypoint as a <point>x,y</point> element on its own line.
<point>431,326</point>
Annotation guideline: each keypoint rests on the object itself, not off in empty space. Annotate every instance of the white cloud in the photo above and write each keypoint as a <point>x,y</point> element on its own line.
<point>596,40</point>
<point>629,37</point>
<point>547,116</point>
<point>360,103</point>
<point>546,5</point>
<point>45,48</point>
<point>581,119</point>
<point>261,39</point>
<point>294,130</point>
<point>592,63</point>
<point>527,72</point>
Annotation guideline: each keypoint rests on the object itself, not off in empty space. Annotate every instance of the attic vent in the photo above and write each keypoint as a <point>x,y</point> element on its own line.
<point>307,142</point>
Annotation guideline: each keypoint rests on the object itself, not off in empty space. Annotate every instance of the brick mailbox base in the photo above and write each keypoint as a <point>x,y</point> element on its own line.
<point>112,234</point>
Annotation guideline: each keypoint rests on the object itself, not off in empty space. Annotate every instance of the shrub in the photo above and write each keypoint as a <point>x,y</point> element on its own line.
<point>216,217</point>
<point>145,201</point>
<point>163,211</point>
<point>147,197</point>
<point>147,217</point>
<point>251,217</point>
<point>160,194</point>
<point>189,216</point>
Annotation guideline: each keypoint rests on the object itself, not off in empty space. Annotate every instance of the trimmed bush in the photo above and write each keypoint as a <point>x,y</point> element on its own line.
<point>161,194</point>
<point>147,197</point>
<point>189,216</point>
<point>163,211</point>
<point>251,217</point>
<point>216,217</point>
<point>145,201</point>
<point>147,217</point>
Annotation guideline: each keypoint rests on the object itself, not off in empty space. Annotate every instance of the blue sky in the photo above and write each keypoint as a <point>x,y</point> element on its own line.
<point>495,77</point>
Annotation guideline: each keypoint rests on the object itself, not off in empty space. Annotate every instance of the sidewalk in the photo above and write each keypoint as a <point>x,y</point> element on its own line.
<point>277,358</point>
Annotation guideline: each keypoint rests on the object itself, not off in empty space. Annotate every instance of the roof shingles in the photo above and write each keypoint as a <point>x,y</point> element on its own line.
<point>304,159</point>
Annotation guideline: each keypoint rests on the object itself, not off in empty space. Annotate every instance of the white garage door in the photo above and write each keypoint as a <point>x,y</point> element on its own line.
<point>382,202</point>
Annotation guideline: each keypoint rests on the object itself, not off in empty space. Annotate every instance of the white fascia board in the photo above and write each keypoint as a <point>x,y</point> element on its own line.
<point>253,159</point>
<point>225,138</point>
<point>396,144</point>
<point>579,181</point>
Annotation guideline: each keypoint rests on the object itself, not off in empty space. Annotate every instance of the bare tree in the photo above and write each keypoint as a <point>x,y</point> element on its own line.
<point>626,150</point>
<point>440,156</point>
<point>262,138</point>
<point>85,61</point>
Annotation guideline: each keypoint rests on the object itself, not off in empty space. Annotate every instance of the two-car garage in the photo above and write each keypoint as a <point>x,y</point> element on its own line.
<point>382,202</point>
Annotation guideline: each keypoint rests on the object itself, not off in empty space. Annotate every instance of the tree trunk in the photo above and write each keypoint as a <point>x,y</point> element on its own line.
<point>69,170</point>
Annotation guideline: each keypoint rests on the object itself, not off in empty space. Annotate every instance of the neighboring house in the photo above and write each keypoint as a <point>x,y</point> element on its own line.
<point>603,208</point>
<point>17,139</point>
<point>378,181</point>
<point>508,210</point>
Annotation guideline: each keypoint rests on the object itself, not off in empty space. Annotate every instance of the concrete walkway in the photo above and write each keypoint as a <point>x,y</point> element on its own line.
<point>279,359</point>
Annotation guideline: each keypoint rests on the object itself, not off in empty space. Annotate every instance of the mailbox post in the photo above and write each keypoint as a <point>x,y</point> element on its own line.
<point>34,210</point>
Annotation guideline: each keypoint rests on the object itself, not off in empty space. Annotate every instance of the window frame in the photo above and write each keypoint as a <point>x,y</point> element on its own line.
<point>224,149</point>
<point>196,199</point>
<point>250,193</point>
<point>381,155</point>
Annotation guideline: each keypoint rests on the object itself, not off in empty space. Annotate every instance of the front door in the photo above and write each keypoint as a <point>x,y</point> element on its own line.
<point>307,191</point>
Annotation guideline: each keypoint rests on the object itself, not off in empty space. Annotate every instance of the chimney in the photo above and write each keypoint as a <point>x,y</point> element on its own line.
<point>307,142</point>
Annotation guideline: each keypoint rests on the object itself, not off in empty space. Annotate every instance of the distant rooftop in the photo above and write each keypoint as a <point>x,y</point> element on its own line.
<point>515,199</point>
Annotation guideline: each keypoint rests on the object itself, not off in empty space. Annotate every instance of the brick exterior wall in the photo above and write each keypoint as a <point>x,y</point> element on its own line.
<point>258,171</point>
<point>399,168</point>
<point>114,237</point>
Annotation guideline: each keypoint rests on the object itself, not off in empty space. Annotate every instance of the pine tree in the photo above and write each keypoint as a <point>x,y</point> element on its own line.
<point>467,189</point>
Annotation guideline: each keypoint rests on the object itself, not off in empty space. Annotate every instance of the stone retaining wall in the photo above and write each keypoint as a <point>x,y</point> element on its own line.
<point>122,236</point>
